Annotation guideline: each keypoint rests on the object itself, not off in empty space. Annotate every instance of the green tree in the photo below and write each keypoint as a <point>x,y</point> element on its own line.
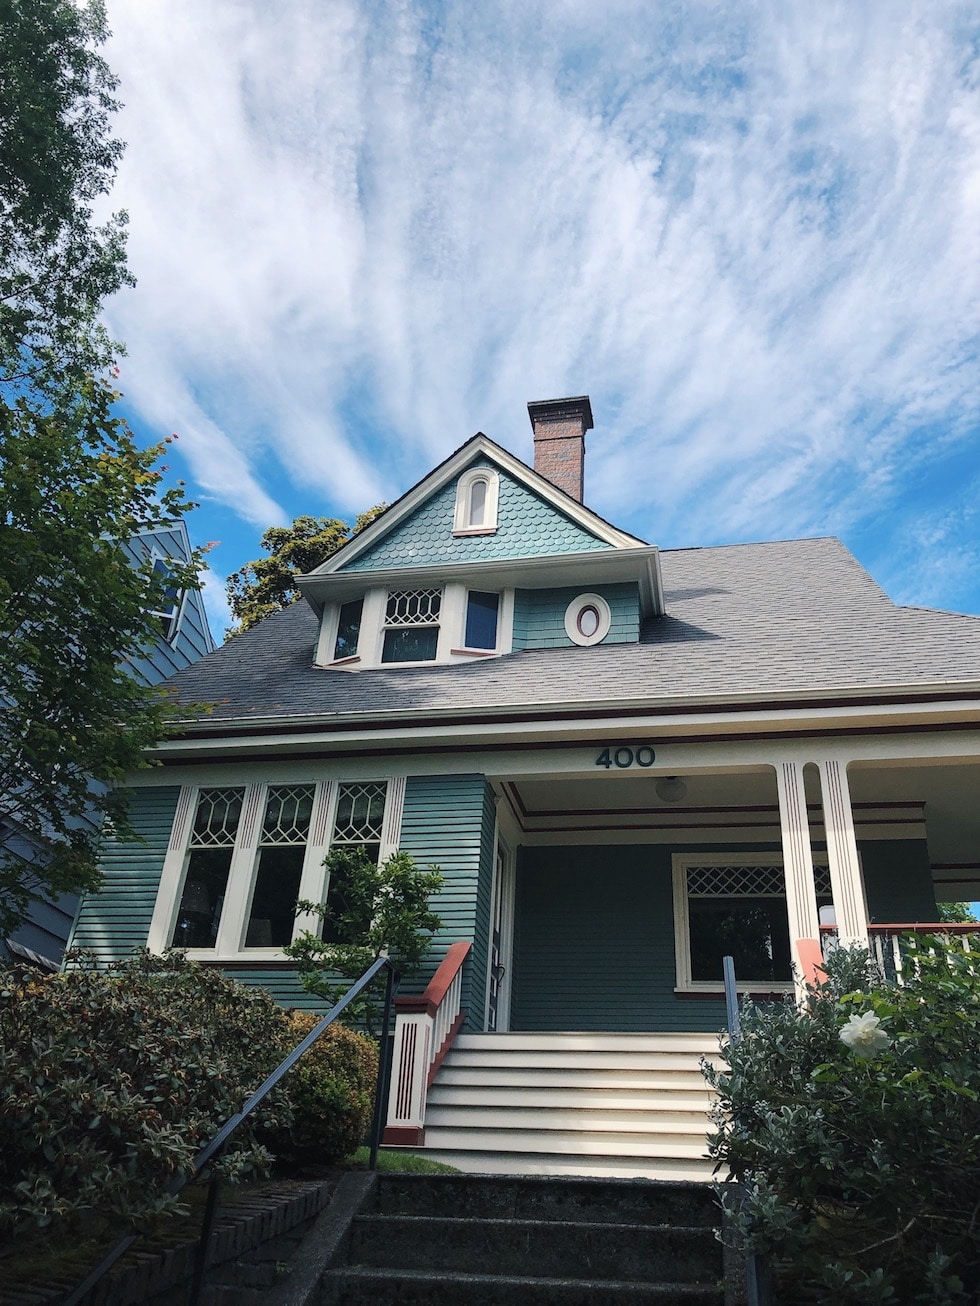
<point>57,265</point>
<point>268,585</point>
<point>371,910</point>
<point>73,486</point>
<point>956,913</point>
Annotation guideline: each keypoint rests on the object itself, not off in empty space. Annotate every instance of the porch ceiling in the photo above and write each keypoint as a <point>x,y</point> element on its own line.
<point>936,802</point>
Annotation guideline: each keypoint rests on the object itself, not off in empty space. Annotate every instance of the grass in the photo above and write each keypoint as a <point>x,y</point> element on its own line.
<point>390,1162</point>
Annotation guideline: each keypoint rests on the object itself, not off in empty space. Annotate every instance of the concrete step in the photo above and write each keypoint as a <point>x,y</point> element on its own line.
<point>564,1164</point>
<point>602,1201</point>
<point>537,1249</point>
<point>382,1287</point>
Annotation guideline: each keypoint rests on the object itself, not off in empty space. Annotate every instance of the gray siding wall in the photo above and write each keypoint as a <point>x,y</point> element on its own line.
<point>449,822</point>
<point>117,919</point>
<point>539,615</point>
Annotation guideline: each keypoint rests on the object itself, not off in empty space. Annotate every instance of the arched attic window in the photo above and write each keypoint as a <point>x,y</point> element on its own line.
<point>476,502</point>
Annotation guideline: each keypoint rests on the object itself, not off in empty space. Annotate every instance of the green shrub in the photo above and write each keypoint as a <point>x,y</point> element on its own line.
<point>854,1125</point>
<point>332,1091</point>
<point>110,1082</point>
<point>371,910</point>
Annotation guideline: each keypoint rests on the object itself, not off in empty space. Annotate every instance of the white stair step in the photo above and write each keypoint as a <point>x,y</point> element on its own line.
<point>546,1121</point>
<point>612,1077</point>
<point>601,1099</point>
<point>583,1143</point>
<point>693,1043</point>
<point>546,1058</point>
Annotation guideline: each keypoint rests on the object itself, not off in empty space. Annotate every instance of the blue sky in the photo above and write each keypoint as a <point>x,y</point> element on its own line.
<point>363,231</point>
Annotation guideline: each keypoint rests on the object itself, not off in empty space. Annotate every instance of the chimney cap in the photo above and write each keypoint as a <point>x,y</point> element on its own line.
<point>556,410</point>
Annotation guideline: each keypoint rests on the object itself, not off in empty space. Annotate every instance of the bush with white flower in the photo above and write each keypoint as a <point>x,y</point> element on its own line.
<point>854,1128</point>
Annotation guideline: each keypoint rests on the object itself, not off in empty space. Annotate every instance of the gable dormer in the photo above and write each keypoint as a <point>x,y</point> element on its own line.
<point>482,557</point>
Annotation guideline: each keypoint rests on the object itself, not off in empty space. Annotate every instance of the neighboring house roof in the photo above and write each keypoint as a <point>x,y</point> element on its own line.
<point>751,621</point>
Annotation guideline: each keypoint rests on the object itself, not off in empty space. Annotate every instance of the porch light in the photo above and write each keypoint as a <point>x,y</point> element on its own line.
<point>670,789</point>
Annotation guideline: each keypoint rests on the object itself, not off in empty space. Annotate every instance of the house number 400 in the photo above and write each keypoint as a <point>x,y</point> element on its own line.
<point>624,757</point>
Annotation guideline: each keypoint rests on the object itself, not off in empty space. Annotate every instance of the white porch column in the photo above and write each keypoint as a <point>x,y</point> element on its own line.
<point>845,868</point>
<point>801,894</point>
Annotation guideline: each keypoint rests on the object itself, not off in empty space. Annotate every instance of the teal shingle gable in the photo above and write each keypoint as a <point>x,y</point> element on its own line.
<point>527,526</point>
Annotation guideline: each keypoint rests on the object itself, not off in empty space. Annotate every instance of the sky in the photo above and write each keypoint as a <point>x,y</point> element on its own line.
<point>749,231</point>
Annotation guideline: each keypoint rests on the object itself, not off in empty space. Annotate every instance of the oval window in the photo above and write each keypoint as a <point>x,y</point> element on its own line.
<point>587,619</point>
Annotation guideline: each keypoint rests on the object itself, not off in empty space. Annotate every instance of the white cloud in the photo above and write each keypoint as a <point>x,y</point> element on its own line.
<point>363,231</point>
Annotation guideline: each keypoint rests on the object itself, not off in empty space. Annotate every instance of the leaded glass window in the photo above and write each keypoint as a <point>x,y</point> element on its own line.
<point>412,625</point>
<point>358,824</point>
<point>279,868</point>
<point>739,910</point>
<point>212,844</point>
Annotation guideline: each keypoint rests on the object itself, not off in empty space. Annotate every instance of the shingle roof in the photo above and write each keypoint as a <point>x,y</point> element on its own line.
<point>758,620</point>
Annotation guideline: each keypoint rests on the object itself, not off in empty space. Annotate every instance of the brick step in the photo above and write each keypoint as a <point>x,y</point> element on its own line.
<point>536,1249</point>
<point>378,1287</point>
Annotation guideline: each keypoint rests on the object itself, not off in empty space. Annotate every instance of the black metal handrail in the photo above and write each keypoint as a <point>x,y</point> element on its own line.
<point>217,1144</point>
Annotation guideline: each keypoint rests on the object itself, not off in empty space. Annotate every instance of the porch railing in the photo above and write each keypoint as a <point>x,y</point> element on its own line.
<point>425,1029</point>
<point>213,1149</point>
<point>888,943</point>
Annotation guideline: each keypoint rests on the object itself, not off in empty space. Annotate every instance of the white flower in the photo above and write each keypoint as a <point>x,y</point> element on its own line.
<point>863,1035</point>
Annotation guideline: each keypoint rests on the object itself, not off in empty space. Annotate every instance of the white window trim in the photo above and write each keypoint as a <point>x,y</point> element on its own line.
<point>156,555</point>
<point>244,864</point>
<point>450,646</point>
<point>572,614</point>
<point>681,862</point>
<point>461,522</point>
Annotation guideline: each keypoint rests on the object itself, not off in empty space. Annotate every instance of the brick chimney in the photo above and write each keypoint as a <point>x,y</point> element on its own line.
<point>559,427</point>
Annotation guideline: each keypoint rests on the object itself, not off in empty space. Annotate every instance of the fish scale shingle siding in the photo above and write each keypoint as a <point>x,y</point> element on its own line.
<point>527,526</point>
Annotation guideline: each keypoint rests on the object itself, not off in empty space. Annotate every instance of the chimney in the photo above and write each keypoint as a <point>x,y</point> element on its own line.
<point>559,427</point>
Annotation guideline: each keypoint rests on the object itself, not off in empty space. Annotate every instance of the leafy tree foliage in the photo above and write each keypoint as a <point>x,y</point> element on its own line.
<point>371,910</point>
<point>854,1126</point>
<point>56,157</point>
<point>956,913</point>
<point>73,485</point>
<point>268,585</point>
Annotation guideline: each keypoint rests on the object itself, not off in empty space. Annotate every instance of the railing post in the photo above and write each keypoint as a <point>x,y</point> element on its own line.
<point>384,1061</point>
<point>201,1256</point>
<point>411,1057</point>
<point>731,998</point>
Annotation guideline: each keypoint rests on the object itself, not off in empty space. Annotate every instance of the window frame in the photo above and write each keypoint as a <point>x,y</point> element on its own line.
<point>681,863</point>
<point>573,612</point>
<point>175,616</point>
<point>462,524</point>
<point>242,872</point>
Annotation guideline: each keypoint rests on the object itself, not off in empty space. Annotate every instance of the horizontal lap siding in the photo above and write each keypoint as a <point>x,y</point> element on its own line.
<point>448,822</point>
<point>594,943</point>
<point>283,984</point>
<point>114,921</point>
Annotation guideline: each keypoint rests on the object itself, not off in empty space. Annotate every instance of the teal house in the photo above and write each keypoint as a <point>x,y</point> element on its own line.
<point>627,762</point>
<point>183,636</point>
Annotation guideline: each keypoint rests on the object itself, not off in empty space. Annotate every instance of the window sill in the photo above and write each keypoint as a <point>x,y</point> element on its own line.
<point>473,652</point>
<point>475,530</point>
<point>713,991</point>
<point>344,662</point>
<point>263,960</point>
